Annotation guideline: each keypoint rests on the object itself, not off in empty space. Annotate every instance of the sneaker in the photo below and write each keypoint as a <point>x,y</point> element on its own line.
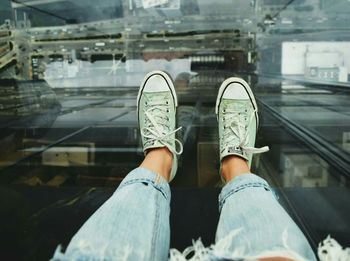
<point>237,115</point>
<point>156,109</point>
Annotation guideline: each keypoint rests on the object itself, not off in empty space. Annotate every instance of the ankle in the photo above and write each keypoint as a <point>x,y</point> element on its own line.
<point>159,160</point>
<point>233,166</point>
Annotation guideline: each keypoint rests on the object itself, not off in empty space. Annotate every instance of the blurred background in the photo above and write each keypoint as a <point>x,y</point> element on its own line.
<point>69,76</point>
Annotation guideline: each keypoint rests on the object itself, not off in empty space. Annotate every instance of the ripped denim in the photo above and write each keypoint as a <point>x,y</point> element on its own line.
<point>134,225</point>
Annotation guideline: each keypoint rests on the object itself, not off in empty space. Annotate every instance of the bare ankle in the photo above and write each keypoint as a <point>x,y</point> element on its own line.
<point>159,160</point>
<point>233,166</point>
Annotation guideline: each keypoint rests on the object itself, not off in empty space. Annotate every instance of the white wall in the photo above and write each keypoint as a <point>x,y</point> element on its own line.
<point>294,55</point>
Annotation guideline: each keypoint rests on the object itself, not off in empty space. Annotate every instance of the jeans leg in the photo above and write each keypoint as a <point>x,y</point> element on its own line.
<point>253,224</point>
<point>133,224</point>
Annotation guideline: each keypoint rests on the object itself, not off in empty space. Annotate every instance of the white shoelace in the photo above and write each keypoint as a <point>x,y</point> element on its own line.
<point>231,116</point>
<point>158,123</point>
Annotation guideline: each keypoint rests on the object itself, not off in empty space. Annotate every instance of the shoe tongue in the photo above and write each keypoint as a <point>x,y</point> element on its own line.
<point>158,112</point>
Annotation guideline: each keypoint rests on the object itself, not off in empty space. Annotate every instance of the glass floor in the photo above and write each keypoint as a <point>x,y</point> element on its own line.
<point>68,125</point>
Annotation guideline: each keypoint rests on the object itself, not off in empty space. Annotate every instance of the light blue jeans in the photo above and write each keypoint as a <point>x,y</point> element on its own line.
<point>133,224</point>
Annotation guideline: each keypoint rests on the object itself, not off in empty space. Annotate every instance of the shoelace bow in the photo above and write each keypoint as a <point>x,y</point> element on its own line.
<point>157,124</point>
<point>231,117</point>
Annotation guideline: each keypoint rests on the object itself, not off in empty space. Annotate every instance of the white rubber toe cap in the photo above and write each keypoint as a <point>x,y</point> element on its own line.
<point>235,91</point>
<point>156,83</point>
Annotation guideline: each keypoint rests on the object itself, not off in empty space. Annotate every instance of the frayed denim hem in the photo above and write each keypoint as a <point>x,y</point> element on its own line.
<point>328,250</point>
<point>85,252</point>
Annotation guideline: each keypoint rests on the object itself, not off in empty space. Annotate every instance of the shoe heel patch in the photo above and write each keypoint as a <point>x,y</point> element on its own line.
<point>235,149</point>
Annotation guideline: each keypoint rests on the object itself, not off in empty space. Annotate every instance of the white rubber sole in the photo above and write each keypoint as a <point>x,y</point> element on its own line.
<point>246,87</point>
<point>167,79</point>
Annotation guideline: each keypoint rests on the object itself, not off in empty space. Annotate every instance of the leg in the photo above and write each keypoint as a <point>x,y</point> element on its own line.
<point>131,225</point>
<point>134,223</point>
<point>252,222</point>
<point>248,207</point>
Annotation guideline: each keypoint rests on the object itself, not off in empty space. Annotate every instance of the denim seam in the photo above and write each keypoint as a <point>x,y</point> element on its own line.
<point>155,229</point>
<point>239,188</point>
<point>140,180</point>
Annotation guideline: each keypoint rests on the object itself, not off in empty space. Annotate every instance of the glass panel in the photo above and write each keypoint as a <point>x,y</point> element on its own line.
<point>69,78</point>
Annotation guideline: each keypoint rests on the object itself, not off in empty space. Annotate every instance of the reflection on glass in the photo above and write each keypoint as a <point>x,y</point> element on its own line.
<point>70,72</point>
<point>69,81</point>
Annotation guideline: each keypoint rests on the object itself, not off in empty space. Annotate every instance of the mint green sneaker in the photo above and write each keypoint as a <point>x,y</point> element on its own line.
<point>237,115</point>
<point>156,109</point>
